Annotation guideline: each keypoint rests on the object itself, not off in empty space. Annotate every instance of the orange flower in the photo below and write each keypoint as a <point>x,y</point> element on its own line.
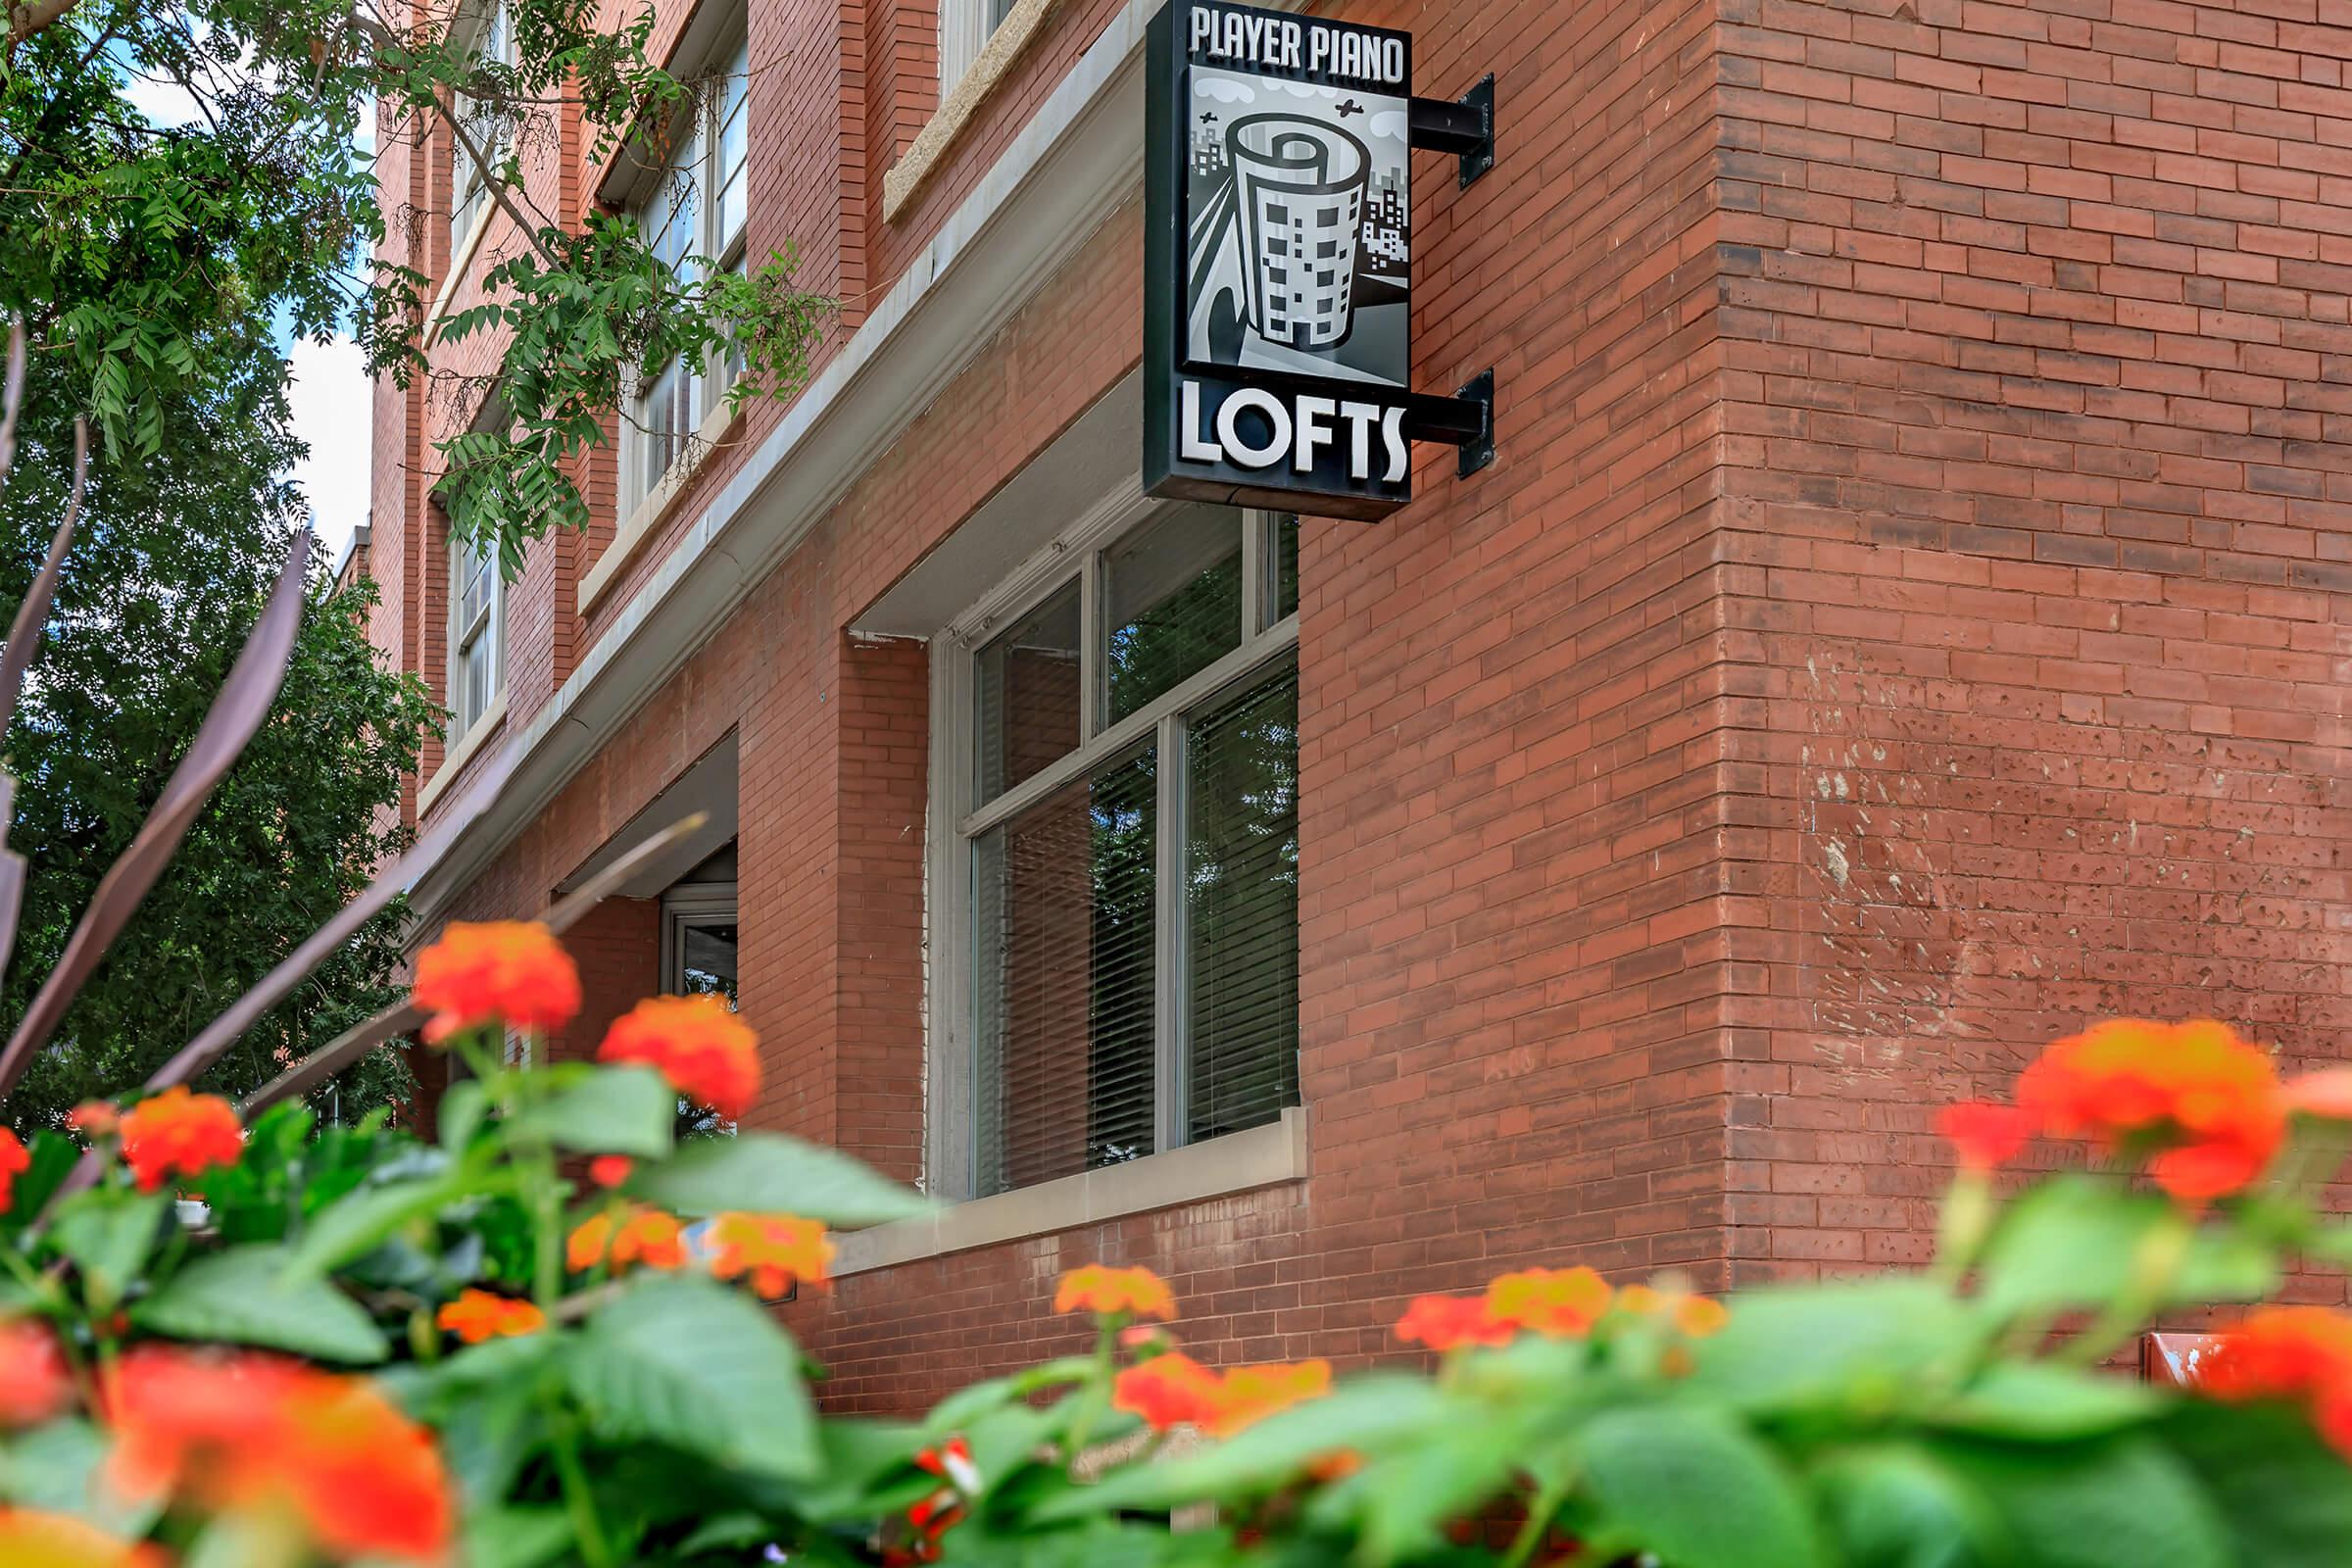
<point>254,1432</point>
<point>15,1160</point>
<point>1558,1303</point>
<point>178,1131</point>
<point>1694,1317</point>
<point>2327,1093</point>
<point>32,1539</point>
<point>478,1315</point>
<point>776,1250</point>
<point>611,1170</point>
<point>2297,1354</point>
<point>1443,1322</point>
<point>643,1235</point>
<point>33,1382</point>
<point>1251,1393</point>
<point>2208,1103</point>
<point>513,972</point>
<point>1168,1391</point>
<point>94,1119</point>
<point>1985,1135</point>
<point>1174,1390</point>
<point>708,1053</point>
<point>1097,1288</point>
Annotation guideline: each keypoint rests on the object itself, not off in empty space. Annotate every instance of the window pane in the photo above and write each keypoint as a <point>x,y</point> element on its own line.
<point>728,170</point>
<point>1241,908</point>
<point>1286,566</point>
<point>1175,605</point>
<point>707,961</point>
<point>1065,929</point>
<point>1026,683</point>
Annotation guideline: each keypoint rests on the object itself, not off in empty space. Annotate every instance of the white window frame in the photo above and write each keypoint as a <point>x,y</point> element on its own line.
<point>489,622</point>
<point>957,819</point>
<point>715,108</point>
<point>468,186</point>
<point>688,905</point>
<point>964,28</point>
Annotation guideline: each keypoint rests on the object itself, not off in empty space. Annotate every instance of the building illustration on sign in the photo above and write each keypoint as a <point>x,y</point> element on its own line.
<point>1298,241</point>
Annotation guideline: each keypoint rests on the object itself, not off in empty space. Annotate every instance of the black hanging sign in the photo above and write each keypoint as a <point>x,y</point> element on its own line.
<point>1278,292</point>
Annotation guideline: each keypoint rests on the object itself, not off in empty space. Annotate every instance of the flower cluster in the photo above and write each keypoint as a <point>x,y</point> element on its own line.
<point>697,1043</point>
<point>2297,1354</point>
<point>931,1517</point>
<point>476,1316</point>
<point>180,1133</point>
<point>636,1237</point>
<point>1097,1288</point>
<point>513,972</point>
<point>778,1251</point>
<point>1556,1304</point>
<point>15,1160</point>
<point>253,1434</point>
<point>33,1383</point>
<point>1173,1390</point>
<point>2203,1107</point>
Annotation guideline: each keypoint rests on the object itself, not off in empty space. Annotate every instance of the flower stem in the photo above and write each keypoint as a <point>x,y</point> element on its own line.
<point>1540,1514</point>
<point>579,1501</point>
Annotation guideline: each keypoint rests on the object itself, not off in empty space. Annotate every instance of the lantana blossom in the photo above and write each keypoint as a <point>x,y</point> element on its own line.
<point>177,1133</point>
<point>511,972</point>
<point>1100,1289</point>
<point>699,1045</point>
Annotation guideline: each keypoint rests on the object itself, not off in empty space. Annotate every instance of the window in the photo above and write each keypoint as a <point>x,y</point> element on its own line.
<point>964,28</point>
<point>1128,831</point>
<point>694,218</point>
<point>476,633</point>
<point>697,957</point>
<point>493,43</point>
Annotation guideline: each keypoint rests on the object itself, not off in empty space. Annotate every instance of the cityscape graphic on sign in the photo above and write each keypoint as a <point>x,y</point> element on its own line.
<point>1299,234</point>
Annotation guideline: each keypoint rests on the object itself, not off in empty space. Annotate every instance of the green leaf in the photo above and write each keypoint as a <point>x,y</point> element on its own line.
<point>683,1361</point>
<point>2284,1496</point>
<point>2037,1402</point>
<point>52,1159</point>
<point>514,1537</point>
<point>358,1222</point>
<point>2077,1243</point>
<point>1897,1507</point>
<point>609,1110</point>
<point>243,1296</point>
<point>1696,1490</point>
<point>1372,1415</point>
<point>108,1233</point>
<point>1866,1344</point>
<point>768,1173</point>
<point>463,1106</point>
<point>2129,1503</point>
<point>58,1468</point>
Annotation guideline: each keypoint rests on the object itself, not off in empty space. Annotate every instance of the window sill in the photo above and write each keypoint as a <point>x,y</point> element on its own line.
<point>454,760</point>
<point>930,147</point>
<point>1238,1162</point>
<point>641,523</point>
<point>456,279</point>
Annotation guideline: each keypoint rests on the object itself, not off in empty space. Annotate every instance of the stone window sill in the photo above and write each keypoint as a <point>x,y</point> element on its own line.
<point>1238,1162</point>
<point>454,760</point>
<point>649,513</point>
<point>1021,26</point>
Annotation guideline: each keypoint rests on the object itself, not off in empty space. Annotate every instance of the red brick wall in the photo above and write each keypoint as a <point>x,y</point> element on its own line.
<point>2036,389</point>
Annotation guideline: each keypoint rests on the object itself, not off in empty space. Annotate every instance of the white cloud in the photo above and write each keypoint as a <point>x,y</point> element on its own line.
<point>334,410</point>
<point>1389,125</point>
<point>1224,90</point>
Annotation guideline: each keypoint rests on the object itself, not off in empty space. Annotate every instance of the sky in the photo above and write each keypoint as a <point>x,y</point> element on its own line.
<point>332,410</point>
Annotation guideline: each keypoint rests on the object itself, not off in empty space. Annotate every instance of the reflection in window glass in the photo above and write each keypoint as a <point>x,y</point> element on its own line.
<point>1286,566</point>
<point>1027,693</point>
<point>1066,981</point>
<point>1242,911</point>
<point>707,961</point>
<point>1175,603</point>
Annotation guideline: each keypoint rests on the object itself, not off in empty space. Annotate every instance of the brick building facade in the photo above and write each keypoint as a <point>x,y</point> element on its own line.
<point>1908,617</point>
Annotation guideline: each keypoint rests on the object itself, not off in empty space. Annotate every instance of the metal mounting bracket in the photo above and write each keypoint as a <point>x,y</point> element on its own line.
<point>1464,421</point>
<point>1466,129</point>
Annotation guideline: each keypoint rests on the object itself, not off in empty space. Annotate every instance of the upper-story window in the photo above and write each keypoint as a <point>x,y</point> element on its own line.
<point>964,28</point>
<point>493,40</point>
<point>1126,820</point>
<point>695,216</point>
<point>476,634</point>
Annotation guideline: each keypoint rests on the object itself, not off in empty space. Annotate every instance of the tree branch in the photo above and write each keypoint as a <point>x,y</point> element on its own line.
<point>36,17</point>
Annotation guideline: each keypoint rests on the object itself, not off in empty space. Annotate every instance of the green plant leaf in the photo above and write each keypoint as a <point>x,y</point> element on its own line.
<point>52,1159</point>
<point>683,1361</point>
<point>2036,1402</point>
<point>1696,1489</point>
<point>2127,1504</point>
<point>1896,1508</point>
<point>243,1296</point>
<point>462,1110</point>
<point>2078,1242</point>
<point>108,1233</point>
<point>58,1468</point>
<point>2284,1495</point>
<point>360,1222</point>
<point>514,1537</point>
<point>770,1173</point>
<point>608,1110</point>
<point>1866,1346</point>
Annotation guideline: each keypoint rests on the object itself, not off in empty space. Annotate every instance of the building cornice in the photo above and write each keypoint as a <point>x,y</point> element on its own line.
<point>1069,167</point>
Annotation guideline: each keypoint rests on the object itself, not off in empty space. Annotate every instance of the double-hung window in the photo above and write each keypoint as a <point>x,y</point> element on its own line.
<point>493,43</point>
<point>964,28</point>
<point>694,218</point>
<point>1124,806</point>
<point>476,633</point>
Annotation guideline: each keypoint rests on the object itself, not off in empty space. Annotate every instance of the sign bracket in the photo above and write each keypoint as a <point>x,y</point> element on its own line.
<point>1466,129</point>
<point>1464,421</point>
